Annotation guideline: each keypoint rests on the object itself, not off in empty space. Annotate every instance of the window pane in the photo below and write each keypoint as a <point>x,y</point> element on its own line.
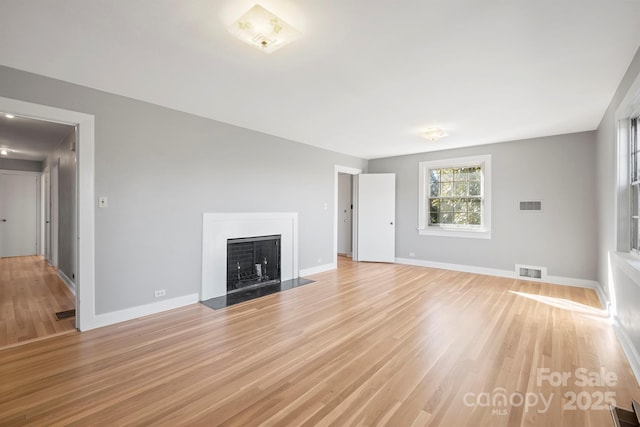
<point>474,188</point>
<point>460,188</point>
<point>475,174</point>
<point>446,175</point>
<point>446,218</point>
<point>474,218</point>
<point>460,174</point>
<point>475,206</point>
<point>433,218</point>
<point>434,182</point>
<point>434,211</point>
<point>446,189</point>
<point>460,218</point>
<point>435,189</point>
<point>459,205</point>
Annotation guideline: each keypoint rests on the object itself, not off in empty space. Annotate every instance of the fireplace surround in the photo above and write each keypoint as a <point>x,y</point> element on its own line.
<point>217,228</point>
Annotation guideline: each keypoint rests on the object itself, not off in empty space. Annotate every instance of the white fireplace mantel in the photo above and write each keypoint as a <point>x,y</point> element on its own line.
<point>218,227</point>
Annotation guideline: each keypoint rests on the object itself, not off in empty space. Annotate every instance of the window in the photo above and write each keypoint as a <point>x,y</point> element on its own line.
<point>635,184</point>
<point>455,197</point>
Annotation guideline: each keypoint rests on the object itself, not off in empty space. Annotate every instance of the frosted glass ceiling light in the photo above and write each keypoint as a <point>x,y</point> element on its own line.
<point>4,152</point>
<point>263,30</point>
<point>434,134</point>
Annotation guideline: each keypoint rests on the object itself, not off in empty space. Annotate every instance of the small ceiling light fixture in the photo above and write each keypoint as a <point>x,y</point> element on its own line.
<point>263,30</point>
<point>9,116</point>
<point>435,133</point>
<point>4,152</point>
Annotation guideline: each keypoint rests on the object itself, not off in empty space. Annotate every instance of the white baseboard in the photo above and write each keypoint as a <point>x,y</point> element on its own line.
<point>556,280</point>
<point>317,269</point>
<point>572,281</point>
<point>113,317</point>
<point>70,284</point>
<point>627,346</point>
<point>457,267</point>
<point>604,301</point>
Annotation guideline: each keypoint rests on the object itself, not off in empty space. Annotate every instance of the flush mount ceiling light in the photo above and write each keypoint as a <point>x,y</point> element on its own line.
<point>434,134</point>
<point>263,30</point>
<point>4,152</point>
<point>9,116</point>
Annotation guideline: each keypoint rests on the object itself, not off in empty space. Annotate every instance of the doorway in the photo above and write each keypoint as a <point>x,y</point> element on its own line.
<point>345,215</point>
<point>372,216</point>
<point>337,217</point>
<point>84,192</point>
<point>37,298</point>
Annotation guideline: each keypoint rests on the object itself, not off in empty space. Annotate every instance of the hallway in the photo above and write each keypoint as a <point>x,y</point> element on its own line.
<point>30,295</point>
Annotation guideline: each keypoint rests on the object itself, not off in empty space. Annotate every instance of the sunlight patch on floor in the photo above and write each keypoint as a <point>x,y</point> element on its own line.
<point>565,304</point>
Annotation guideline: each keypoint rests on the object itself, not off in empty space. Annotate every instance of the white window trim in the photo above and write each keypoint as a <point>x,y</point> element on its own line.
<point>475,233</point>
<point>629,108</point>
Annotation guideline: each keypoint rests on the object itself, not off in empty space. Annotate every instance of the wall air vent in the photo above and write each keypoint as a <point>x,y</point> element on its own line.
<point>530,206</point>
<point>530,272</point>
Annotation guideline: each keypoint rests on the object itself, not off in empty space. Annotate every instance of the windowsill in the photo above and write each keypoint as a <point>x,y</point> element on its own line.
<point>452,232</point>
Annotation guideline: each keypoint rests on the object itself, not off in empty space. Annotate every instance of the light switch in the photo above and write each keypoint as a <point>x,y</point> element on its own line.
<point>103,202</point>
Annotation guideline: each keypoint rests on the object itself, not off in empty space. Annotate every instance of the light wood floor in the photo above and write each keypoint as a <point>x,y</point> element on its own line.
<point>368,344</point>
<point>30,295</point>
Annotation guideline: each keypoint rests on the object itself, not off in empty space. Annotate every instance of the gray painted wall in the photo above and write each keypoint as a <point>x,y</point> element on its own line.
<point>66,215</point>
<point>20,165</point>
<point>555,169</point>
<point>614,275</point>
<point>161,169</point>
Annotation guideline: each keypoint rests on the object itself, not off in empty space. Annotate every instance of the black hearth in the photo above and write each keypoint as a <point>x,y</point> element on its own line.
<point>253,262</point>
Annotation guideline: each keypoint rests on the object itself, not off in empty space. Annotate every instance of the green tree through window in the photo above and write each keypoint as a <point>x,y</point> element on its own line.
<point>455,196</point>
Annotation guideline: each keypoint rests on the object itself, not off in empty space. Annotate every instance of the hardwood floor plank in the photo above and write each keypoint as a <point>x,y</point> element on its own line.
<point>30,295</point>
<point>367,344</point>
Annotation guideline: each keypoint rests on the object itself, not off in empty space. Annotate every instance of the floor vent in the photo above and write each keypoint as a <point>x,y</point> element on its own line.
<point>531,206</point>
<point>625,417</point>
<point>530,272</point>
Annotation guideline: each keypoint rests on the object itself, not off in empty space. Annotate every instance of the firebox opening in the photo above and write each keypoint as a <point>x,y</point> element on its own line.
<point>253,262</point>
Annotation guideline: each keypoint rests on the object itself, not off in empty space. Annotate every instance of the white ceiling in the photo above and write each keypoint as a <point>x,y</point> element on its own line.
<point>365,77</point>
<point>29,139</point>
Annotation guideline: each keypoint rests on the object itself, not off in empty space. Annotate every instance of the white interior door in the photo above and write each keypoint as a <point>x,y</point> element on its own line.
<point>376,201</point>
<point>18,215</point>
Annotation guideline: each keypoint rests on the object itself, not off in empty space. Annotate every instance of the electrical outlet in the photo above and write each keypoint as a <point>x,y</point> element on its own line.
<point>319,260</point>
<point>160,293</point>
<point>412,254</point>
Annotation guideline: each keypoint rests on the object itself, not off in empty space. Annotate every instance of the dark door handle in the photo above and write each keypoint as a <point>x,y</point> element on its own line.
<point>391,223</point>
<point>4,220</point>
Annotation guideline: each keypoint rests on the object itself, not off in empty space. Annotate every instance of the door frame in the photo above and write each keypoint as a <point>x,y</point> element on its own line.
<point>85,195</point>
<point>354,233</point>
<point>42,230</point>
<point>37,175</point>
<point>54,200</point>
